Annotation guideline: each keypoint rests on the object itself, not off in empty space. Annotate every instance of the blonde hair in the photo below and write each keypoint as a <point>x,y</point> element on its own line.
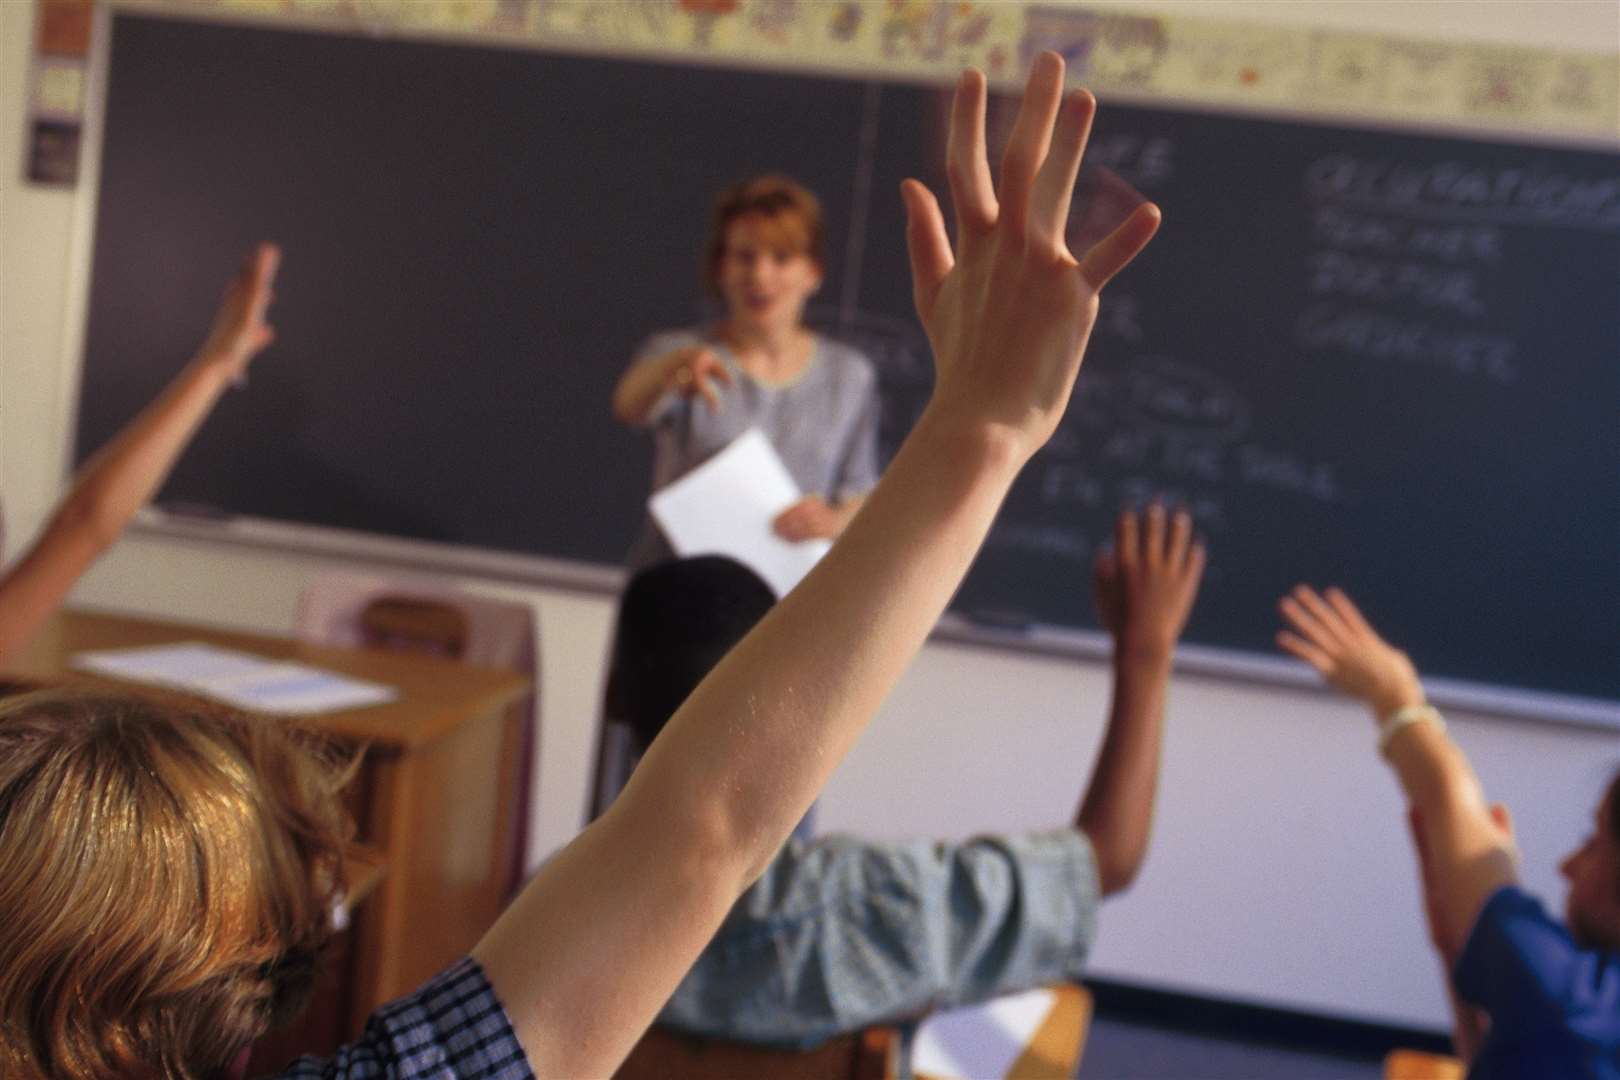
<point>789,211</point>
<point>167,875</point>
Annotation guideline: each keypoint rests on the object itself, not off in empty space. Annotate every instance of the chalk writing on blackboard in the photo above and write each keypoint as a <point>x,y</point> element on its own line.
<point>1531,195</point>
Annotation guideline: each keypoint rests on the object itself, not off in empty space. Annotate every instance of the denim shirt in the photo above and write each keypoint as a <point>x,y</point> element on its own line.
<point>841,934</point>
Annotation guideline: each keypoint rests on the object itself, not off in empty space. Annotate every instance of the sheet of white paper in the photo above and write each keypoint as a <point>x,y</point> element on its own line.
<point>241,679</point>
<point>188,663</point>
<point>726,505</point>
<point>979,1042</point>
<point>295,689</point>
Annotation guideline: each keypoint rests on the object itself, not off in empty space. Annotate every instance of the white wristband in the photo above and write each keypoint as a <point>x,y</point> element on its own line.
<point>1401,719</point>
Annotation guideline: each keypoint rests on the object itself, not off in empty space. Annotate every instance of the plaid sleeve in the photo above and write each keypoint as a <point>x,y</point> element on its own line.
<point>452,1028</point>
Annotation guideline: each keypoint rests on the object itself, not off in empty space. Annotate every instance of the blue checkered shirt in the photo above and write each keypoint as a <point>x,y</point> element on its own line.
<point>452,1028</point>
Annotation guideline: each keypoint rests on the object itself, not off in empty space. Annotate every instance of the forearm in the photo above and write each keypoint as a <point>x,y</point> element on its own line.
<point>639,389</point>
<point>1469,855</point>
<point>1117,812</point>
<point>738,764</point>
<point>105,494</point>
<point>812,673</point>
<point>845,512</point>
<point>121,476</point>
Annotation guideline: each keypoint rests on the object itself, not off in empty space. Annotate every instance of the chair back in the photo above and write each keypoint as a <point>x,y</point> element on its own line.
<point>1050,1050</point>
<point>665,1054</point>
<point>1421,1065</point>
<point>409,613</point>
<point>415,624</point>
<point>1005,1039</point>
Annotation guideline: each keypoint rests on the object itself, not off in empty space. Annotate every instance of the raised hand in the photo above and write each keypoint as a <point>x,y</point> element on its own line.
<point>1330,634</point>
<point>239,332</point>
<point>1009,312</point>
<point>1145,585</point>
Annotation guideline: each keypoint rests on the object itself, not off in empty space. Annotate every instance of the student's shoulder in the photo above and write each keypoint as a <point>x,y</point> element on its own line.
<point>1516,952</point>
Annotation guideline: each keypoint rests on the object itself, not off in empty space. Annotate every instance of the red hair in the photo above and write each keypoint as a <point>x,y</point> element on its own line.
<point>788,213</point>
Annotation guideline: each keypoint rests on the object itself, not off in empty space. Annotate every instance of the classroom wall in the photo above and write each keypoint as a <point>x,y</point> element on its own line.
<point>1280,871</point>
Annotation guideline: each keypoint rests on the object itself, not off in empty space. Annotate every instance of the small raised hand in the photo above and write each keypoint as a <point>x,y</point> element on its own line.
<point>1330,634</point>
<point>239,332</point>
<point>1144,587</point>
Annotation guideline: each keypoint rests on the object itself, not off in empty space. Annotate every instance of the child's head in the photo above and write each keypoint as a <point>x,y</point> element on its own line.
<point>167,875</point>
<point>1593,870</point>
<point>677,621</point>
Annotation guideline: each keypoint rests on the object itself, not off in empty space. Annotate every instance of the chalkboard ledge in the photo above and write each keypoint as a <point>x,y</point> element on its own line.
<point>608,580</point>
<point>385,551</point>
<point>1205,660</point>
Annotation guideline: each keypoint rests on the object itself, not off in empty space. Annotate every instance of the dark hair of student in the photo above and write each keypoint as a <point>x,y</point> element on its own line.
<point>676,621</point>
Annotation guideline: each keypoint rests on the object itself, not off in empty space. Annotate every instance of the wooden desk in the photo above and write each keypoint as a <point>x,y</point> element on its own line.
<point>434,795</point>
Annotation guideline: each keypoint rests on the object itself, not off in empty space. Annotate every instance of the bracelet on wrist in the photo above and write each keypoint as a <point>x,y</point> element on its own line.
<point>1403,718</point>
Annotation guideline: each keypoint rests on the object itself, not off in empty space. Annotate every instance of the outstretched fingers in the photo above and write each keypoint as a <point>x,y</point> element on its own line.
<point>258,278</point>
<point>1305,623</point>
<point>1348,612</point>
<point>1153,545</point>
<point>1115,251</point>
<point>239,329</point>
<point>1324,614</point>
<point>967,163</point>
<point>1181,529</point>
<point>1127,547</point>
<point>1054,183</point>
<point>1031,137</point>
<point>1197,557</point>
<point>929,246</point>
<point>1305,650</point>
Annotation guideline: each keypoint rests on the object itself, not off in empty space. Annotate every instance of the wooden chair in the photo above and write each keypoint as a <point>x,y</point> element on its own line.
<point>1052,1052</point>
<point>663,1054</point>
<point>1420,1065</point>
<point>415,624</point>
<point>425,615</point>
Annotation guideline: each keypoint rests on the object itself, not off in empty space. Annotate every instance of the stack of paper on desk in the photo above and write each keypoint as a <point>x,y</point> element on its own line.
<point>237,678</point>
<point>726,505</point>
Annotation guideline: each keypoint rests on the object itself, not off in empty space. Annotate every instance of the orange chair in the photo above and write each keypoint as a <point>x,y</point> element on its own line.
<point>1418,1065</point>
<point>1051,1052</point>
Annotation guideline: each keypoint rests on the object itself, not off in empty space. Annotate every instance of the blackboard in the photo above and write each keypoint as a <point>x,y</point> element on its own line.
<point>1383,359</point>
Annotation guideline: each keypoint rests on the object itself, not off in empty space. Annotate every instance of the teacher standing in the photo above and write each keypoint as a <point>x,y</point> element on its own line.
<point>815,399</point>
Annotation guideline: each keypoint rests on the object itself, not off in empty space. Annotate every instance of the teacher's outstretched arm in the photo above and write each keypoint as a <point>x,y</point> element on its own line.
<point>587,955</point>
<point>122,475</point>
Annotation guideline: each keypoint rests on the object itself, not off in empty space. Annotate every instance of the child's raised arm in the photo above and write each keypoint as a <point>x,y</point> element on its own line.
<point>589,953</point>
<point>1467,850</point>
<point>122,475</point>
<point>1145,587</point>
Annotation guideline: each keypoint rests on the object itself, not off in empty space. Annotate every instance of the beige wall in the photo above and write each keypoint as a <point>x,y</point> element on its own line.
<point>1280,870</point>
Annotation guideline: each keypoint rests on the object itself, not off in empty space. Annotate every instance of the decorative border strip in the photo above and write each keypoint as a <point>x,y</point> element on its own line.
<point>1298,72</point>
<point>56,83</point>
